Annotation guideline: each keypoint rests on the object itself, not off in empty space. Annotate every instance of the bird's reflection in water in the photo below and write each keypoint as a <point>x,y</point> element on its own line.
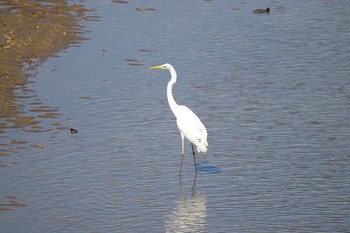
<point>190,213</point>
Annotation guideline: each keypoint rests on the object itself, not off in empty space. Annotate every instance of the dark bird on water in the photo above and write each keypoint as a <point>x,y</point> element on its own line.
<point>73,131</point>
<point>262,11</point>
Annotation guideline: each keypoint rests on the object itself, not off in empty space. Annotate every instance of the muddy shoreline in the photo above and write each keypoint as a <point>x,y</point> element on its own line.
<point>31,32</point>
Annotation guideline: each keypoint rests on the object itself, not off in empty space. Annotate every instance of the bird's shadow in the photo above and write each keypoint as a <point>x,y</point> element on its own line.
<point>205,167</point>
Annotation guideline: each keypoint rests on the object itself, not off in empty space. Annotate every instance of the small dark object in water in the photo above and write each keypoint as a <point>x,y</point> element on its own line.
<point>144,9</point>
<point>73,131</point>
<point>262,11</point>
<point>119,1</point>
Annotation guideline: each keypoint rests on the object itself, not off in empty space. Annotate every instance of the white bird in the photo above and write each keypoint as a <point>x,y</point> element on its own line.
<point>190,126</point>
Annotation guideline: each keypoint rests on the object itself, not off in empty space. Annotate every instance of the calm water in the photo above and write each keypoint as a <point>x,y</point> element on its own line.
<point>273,91</point>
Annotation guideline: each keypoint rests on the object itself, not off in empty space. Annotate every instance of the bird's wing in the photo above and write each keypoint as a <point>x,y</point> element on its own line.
<point>192,127</point>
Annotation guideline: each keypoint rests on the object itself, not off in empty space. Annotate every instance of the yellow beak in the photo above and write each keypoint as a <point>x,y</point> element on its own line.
<point>156,67</point>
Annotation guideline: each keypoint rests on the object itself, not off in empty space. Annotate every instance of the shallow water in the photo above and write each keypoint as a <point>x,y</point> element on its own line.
<point>272,90</point>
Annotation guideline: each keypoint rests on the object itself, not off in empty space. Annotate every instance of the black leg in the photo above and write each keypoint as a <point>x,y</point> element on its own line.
<point>194,158</point>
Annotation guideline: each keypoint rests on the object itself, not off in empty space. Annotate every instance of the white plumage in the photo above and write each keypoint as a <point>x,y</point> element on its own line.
<point>190,126</point>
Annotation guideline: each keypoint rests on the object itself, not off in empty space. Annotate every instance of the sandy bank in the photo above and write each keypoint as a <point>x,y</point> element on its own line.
<point>30,32</point>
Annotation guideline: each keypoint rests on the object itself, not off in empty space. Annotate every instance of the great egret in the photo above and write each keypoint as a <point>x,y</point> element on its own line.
<point>190,126</point>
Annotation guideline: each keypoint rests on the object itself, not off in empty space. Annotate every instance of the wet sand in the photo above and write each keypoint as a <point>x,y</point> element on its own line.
<point>31,32</point>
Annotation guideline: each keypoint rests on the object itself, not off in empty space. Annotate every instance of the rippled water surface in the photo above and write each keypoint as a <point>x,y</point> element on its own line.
<point>273,91</point>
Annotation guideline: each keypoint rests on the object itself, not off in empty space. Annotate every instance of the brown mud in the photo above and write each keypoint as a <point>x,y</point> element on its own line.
<point>31,31</point>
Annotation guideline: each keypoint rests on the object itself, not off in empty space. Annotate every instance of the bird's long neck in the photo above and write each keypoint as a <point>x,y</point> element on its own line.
<point>172,103</point>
